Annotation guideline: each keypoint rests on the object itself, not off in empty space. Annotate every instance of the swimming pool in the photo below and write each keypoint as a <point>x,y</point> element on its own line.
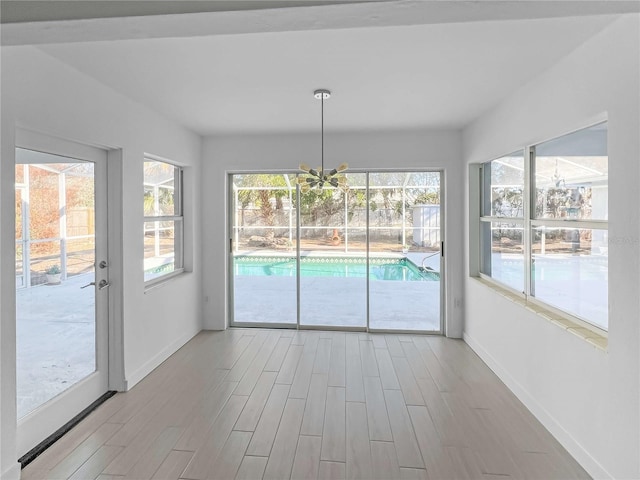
<point>396,269</point>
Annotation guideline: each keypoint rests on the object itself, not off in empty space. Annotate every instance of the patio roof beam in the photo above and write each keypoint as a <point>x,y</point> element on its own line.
<point>42,166</point>
<point>588,169</point>
<point>520,168</point>
<point>160,184</point>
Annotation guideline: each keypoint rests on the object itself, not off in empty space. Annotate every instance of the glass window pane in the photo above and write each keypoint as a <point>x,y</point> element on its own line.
<point>19,266</point>
<point>44,210</point>
<point>265,212</point>
<point>80,198</point>
<point>19,205</point>
<point>404,250</point>
<point>161,240</point>
<point>322,218</point>
<point>160,189</point>
<point>19,174</point>
<point>503,253</point>
<point>80,255</point>
<point>571,176</point>
<point>504,186</point>
<point>333,255</point>
<point>55,317</point>
<point>44,256</point>
<point>264,248</point>
<point>570,271</point>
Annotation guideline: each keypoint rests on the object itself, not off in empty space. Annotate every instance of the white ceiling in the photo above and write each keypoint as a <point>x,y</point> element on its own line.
<point>440,75</point>
<point>18,11</point>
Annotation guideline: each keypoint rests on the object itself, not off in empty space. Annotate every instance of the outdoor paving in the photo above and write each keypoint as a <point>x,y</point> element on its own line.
<point>573,283</point>
<point>341,302</point>
<point>55,339</point>
<point>338,302</point>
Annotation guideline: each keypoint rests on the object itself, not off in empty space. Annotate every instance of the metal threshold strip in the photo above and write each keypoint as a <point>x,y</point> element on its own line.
<point>36,451</point>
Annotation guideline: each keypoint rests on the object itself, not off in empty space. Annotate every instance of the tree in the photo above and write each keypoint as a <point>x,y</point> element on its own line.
<point>260,190</point>
<point>321,205</point>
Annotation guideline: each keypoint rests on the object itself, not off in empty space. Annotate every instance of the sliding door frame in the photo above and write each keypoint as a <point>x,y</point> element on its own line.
<point>297,326</point>
<point>231,203</point>
<point>442,272</point>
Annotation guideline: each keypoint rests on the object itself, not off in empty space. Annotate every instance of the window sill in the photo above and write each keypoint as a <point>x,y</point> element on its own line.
<point>162,281</point>
<point>576,328</point>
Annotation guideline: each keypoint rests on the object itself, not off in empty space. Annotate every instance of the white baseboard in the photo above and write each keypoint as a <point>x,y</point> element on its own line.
<point>12,473</point>
<point>584,458</point>
<point>153,363</point>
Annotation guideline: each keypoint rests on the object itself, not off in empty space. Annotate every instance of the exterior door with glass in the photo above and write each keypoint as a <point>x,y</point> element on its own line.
<point>62,280</point>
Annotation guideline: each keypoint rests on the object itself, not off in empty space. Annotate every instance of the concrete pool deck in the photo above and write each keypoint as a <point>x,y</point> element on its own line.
<point>55,345</point>
<point>337,302</point>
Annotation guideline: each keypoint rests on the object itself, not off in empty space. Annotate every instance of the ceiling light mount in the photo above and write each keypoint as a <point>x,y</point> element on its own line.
<point>322,93</point>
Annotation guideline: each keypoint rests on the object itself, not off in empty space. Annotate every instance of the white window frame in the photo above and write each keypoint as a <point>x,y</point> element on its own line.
<point>529,223</point>
<point>177,218</point>
<point>497,219</point>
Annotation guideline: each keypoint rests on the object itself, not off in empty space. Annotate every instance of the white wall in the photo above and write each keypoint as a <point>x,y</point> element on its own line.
<point>9,468</point>
<point>372,150</point>
<point>589,399</point>
<point>42,94</point>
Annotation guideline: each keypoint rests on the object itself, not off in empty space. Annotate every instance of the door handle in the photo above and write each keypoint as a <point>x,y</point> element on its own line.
<point>88,285</point>
<point>103,284</point>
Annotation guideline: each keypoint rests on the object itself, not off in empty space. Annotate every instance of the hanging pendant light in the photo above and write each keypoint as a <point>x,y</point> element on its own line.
<point>317,178</point>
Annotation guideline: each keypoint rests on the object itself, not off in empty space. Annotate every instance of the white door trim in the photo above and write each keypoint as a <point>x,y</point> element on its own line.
<point>115,171</point>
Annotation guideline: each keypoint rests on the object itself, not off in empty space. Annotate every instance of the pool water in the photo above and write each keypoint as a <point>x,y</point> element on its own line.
<point>398,269</point>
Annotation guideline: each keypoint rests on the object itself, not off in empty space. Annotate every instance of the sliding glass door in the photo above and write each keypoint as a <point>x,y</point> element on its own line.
<point>365,259</point>
<point>404,251</point>
<point>263,249</point>
<point>333,256</point>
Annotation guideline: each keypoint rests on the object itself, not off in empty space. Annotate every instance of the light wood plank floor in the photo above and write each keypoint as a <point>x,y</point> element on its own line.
<point>278,404</point>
